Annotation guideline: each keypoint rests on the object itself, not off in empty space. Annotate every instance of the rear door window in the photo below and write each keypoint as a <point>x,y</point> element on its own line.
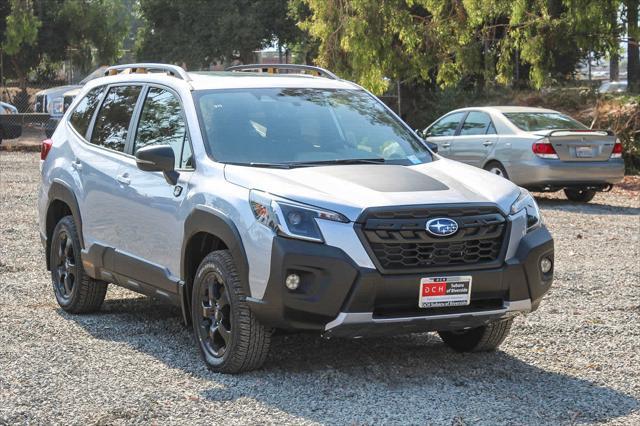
<point>476,123</point>
<point>112,122</point>
<point>80,118</point>
<point>161,123</point>
<point>446,126</point>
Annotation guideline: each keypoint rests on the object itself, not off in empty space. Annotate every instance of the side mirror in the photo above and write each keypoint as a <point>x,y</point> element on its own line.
<point>432,146</point>
<point>158,158</point>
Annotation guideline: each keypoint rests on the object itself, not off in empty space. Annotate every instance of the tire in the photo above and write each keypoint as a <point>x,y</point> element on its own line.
<point>229,336</point>
<point>497,169</point>
<point>75,291</point>
<point>580,195</point>
<point>481,339</point>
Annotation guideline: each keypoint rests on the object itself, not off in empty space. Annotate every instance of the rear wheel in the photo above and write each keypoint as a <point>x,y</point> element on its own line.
<point>230,337</point>
<point>479,339</point>
<point>75,291</point>
<point>580,195</point>
<point>497,169</point>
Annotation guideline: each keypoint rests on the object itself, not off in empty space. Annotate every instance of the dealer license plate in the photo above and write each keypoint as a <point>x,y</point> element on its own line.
<point>439,292</point>
<point>584,151</point>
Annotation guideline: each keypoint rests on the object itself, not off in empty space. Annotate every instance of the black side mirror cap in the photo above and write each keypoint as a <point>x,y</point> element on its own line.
<point>432,146</point>
<point>158,158</point>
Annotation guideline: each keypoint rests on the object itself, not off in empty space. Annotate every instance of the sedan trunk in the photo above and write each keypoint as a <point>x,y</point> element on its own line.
<point>581,145</point>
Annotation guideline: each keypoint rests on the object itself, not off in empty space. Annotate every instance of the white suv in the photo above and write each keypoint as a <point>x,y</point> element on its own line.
<point>280,197</point>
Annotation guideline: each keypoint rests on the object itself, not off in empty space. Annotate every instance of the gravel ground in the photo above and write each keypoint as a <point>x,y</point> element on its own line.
<point>575,360</point>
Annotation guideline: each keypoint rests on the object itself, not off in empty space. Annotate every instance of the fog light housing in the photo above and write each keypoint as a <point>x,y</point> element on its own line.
<point>292,282</point>
<point>545,265</point>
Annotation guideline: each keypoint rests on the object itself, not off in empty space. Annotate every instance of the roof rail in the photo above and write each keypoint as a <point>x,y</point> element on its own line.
<point>143,68</point>
<point>275,69</point>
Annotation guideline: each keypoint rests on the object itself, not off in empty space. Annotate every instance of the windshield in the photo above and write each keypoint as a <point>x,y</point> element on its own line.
<point>534,121</point>
<point>292,126</point>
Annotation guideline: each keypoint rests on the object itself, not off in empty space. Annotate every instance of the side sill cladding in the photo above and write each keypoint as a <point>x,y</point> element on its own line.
<point>60,191</point>
<point>208,220</point>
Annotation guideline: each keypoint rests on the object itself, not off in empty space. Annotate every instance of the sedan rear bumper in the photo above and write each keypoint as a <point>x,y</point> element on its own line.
<point>539,173</point>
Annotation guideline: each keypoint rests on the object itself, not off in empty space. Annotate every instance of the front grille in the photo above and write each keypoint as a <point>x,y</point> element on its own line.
<point>41,103</point>
<point>67,102</point>
<point>398,239</point>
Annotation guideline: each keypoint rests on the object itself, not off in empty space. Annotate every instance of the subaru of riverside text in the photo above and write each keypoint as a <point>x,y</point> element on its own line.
<point>280,197</point>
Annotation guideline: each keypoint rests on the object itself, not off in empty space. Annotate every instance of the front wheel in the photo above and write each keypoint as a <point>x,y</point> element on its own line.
<point>480,339</point>
<point>580,195</point>
<point>230,337</point>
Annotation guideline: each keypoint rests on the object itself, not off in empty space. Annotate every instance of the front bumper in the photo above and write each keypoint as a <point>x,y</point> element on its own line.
<point>540,172</point>
<point>338,298</point>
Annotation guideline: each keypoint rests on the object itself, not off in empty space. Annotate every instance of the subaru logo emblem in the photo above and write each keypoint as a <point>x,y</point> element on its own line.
<point>442,227</point>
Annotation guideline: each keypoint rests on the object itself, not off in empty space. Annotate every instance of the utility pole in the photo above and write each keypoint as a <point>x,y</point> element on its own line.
<point>633,54</point>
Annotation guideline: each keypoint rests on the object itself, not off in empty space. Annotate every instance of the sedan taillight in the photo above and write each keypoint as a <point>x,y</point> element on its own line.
<point>617,150</point>
<point>45,148</point>
<point>544,149</point>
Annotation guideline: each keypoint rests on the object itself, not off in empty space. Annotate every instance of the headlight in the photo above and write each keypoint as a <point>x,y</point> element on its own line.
<point>289,218</point>
<point>525,201</point>
<point>57,106</point>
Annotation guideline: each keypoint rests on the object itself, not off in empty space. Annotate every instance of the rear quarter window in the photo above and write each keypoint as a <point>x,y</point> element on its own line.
<point>80,118</point>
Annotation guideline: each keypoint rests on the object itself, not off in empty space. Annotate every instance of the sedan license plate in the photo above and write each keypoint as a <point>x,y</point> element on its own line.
<point>439,292</point>
<point>584,152</point>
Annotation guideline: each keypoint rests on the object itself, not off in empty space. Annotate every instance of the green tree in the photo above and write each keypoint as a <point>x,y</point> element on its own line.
<point>34,31</point>
<point>476,42</point>
<point>633,54</point>
<point>199,32</point>
<point>20,35</point>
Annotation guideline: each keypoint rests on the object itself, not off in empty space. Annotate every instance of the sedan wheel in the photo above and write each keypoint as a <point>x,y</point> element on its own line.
<point>497,169</point>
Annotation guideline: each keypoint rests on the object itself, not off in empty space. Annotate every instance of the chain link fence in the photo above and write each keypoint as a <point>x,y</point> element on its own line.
<point>31,107</point>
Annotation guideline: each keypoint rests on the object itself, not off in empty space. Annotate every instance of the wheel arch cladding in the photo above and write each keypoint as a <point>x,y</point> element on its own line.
<point>62,202</point>
<point>206,230</point>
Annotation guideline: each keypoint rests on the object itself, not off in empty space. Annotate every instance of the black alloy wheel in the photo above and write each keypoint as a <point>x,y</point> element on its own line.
<point>64,265</point>
<point>215,322</point>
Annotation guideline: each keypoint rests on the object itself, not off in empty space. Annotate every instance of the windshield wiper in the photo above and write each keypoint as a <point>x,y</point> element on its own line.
<point>337,161</point>
<point>266,165</point>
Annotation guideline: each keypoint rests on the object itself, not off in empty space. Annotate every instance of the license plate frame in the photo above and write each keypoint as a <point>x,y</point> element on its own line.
<point>443,292</point>
<point>584,151</point>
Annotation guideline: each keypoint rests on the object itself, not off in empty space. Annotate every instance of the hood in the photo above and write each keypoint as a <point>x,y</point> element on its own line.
<point>57,91</point>
<point>349,189</point>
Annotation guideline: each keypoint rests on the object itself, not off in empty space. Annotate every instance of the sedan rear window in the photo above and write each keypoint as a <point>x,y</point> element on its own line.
<point>535,121</point>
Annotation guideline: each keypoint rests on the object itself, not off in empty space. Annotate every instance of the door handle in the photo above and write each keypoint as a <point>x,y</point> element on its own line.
<point>446,145</point>
<point>123,179</point>
<point>77,165</point>
<point>487,143</point>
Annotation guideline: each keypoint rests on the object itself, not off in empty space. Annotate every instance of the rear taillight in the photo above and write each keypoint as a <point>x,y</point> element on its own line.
<point>617,150</point>
<point>45,148</point>
<point>544,149</point>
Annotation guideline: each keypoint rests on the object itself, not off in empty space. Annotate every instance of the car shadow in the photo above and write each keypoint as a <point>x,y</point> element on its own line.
<point>404,379</point>
<point>585,208</point>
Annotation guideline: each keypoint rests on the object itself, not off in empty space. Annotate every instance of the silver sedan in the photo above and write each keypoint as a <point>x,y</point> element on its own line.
<point>539,149</point>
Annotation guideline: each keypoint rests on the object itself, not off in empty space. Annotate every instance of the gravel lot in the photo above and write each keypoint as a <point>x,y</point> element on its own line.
<point>575,360</point>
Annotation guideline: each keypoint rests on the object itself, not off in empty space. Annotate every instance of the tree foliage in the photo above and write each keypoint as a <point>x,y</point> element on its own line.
<point>86,31</point>
<point>476,42</point>
<point>200,32</point>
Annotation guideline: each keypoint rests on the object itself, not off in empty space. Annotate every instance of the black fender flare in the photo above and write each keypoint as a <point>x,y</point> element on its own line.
<point>214,222</point>
<point>61,191</point>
